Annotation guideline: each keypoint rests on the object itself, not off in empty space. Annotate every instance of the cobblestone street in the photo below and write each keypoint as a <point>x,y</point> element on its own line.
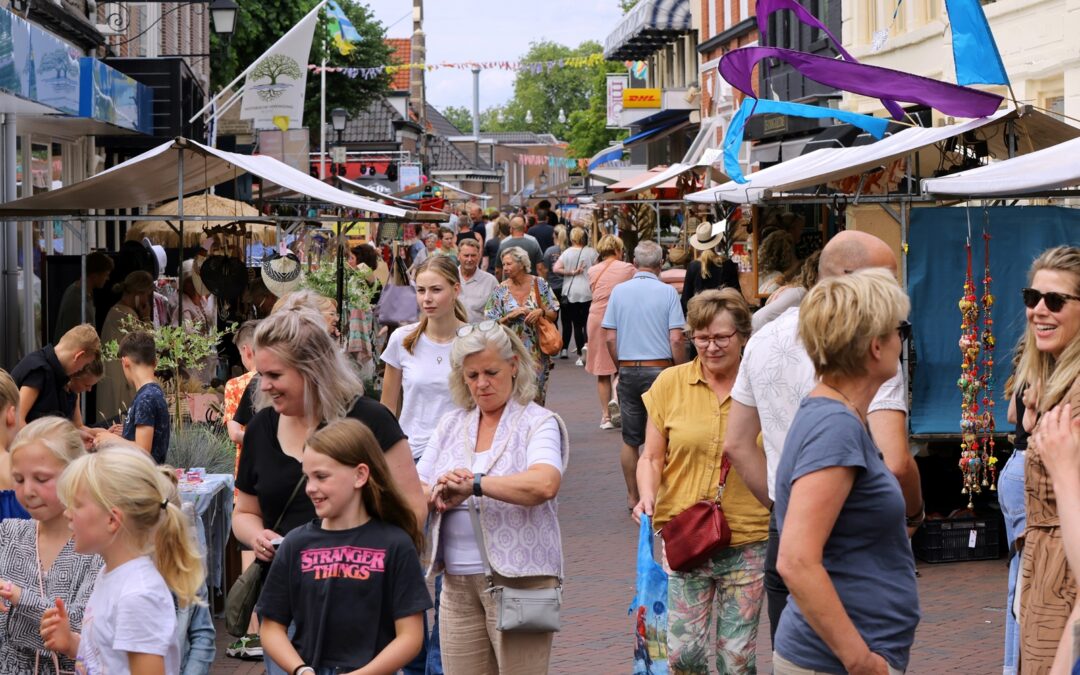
<point>962,629</point>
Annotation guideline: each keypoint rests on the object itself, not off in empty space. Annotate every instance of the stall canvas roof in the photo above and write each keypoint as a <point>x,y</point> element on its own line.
<point>372,193</point>
<point>1041,171</point>
<point>823,166</point>
<point>155,176</point>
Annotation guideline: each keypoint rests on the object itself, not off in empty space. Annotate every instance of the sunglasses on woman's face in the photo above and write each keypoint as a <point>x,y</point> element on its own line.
<point>905,331</point>
<point>1054,301</point>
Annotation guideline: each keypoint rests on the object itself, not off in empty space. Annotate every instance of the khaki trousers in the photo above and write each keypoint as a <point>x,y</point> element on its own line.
<point>470,642</point>
<point>782,666</point>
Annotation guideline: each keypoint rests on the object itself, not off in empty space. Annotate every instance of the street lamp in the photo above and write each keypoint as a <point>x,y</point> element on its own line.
<point>223,13</point>
<point>528,117</point>
<point>562,116</point>
<point>338,118</point>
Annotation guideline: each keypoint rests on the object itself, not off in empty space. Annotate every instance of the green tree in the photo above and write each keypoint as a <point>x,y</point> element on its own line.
<point>578,91</point>
<point>260,24</point>
<point>627,5</point>
<point>460,117</point>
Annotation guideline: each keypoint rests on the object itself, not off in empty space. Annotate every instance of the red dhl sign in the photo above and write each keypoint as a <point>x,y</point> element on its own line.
<point>641,98</point>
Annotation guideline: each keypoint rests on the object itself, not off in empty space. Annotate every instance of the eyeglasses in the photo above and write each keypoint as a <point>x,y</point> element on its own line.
<point>703,341</point>
<point>905,331</point>
<point>1055,302</point>
<point>483,327</point>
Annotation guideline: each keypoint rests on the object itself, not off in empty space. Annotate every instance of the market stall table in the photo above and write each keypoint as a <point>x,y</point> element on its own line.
<point>212,502</point>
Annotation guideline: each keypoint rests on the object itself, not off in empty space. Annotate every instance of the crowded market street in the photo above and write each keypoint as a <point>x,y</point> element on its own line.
<point>963,607</point>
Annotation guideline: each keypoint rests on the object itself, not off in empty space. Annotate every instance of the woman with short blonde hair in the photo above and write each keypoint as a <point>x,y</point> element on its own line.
<point>844,550</point>
<point>507,455</point>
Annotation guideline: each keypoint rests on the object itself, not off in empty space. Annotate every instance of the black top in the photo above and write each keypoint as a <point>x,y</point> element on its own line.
<point>149,408</point>
<point>245,410</point>
<point>724,275</point>
<point>41,370</point>
<point>266,472</point>
<point>480,229</point>
<point>462,236</point>
<point>343,589</point>
<point>1020,440</point>
<point>491,251</point>
<point>545,235</point>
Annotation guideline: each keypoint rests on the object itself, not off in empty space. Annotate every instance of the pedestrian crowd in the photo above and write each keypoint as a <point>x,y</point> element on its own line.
<point>792,419</point>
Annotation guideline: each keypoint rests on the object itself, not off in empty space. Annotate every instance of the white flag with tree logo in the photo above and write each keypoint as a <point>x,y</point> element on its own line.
<point>274,87</point>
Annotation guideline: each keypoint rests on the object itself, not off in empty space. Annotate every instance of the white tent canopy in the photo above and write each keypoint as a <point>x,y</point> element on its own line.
<point>155,176</point>
<point>372,193</point>
<point>1043,170</point>
<point>823,166</point>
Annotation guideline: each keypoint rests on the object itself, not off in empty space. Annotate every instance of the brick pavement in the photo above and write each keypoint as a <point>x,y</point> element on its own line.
<point>963,604</point>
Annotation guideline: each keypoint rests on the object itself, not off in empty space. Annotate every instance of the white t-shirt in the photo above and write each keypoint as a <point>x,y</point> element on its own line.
<point>460,552</point>
<point>576,287</point>
<point>130,610</point>
<point>776,374</point>
<point>425,385</point>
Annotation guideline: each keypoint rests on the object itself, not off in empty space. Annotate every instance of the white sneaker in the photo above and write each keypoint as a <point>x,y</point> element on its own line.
<point>614,412</point>
<point>606,424</point>
<point>579,362</point>
<point>562,354</point>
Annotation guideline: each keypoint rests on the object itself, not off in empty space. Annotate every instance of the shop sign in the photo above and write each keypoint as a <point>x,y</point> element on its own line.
<point>617,85</point>
<point>107,95</point>
<point>37,65</point>
<point>641,98</point>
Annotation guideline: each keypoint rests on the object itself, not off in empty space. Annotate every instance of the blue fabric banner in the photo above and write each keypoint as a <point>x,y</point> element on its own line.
<point>975,53</point>
<point>874,126</point>
<point>935,280</point>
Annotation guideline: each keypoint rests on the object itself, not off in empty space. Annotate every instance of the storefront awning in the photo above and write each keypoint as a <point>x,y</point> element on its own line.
<point>370,193</point>
<point>609,154</point>
<point>649,26</point>
<point>658,178</point>
<point>1038,172</point>
<point>823,166</point>
<point>154,177</point>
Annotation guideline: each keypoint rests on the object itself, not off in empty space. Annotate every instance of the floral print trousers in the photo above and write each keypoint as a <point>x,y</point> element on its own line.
<point>729,588</point>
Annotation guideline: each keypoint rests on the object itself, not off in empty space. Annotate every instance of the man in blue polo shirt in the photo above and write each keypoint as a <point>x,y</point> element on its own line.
<point>644,322</point>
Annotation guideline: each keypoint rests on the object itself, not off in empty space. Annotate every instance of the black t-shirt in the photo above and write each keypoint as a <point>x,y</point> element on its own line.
<point>724,275</point>
<point>491,252</point>
<point>480,229</point>
<point>41,370</point>
<point>545,235</point>
<point>245,410</point>
<point>1020,441</point>
<point>344,589</point>
<point>269,474</point>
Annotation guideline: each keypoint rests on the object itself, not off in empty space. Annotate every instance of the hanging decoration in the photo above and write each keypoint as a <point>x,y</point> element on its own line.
<point>733,138</point>
<point>978,463</point>
<point>882,36</point>
<point>975,54</point>
<point>536,67</point>
<point>551,161</point>
<point>738,68</point>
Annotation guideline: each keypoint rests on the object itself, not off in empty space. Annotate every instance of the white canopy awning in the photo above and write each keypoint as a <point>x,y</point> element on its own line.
<point>1053,168</point>
<point>823,166</point>
<point>448,186</point>
<point>154,177</point>
<point>366,191</point>
<point>654,180</point>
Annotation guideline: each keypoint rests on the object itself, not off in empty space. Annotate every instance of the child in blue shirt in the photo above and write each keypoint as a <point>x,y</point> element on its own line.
<point>147,422</point>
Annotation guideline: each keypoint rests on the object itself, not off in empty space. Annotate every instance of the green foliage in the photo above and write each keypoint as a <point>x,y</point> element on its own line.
<point>360,284</point>
<point>579,92</point>
<point>627,5</point>
<point>259,24</point>
<point>202,445</point>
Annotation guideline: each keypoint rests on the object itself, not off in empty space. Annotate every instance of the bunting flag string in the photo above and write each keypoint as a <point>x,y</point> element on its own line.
<point>550,161</point>
<point>536,67</point>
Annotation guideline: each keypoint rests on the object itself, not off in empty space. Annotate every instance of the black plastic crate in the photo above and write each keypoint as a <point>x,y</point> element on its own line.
<point>939,541</point>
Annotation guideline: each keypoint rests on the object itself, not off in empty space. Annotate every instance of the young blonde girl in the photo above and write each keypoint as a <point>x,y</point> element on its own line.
<point>9,424</point>
<point>349,582</point>
<point>123,507</point>
<point>38,563</point>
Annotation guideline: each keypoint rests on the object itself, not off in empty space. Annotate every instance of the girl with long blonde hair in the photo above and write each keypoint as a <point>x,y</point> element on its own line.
<point>124,508</point>
<point>38,562</point>
<point>350,582</point>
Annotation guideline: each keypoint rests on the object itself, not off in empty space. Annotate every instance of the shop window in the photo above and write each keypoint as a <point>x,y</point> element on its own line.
<point>1055,105</point>
<point>802,231</point>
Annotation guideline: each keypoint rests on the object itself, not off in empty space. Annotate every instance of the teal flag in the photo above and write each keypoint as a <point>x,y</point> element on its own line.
<point>975,53</point>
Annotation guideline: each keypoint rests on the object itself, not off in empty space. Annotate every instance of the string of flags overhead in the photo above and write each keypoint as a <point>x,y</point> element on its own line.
<point>551,161</point>
<point>536,67</point>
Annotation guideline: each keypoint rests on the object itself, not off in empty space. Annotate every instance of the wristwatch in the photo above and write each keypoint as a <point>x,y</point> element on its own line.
<point>476,489</point>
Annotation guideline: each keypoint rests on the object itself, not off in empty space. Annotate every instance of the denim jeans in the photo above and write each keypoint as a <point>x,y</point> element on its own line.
<point>1011,499</point>
<point>429,660</point>
<point>776,591</point>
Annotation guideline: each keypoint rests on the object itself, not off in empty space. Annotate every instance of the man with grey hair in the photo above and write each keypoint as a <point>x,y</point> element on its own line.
<point>476,284</point>
<point>644,323</point>
<point>776,374</point>
<point>528,244</point>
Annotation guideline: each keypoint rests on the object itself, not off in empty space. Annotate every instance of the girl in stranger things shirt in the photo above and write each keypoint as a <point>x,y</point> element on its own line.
<point>348,584</point>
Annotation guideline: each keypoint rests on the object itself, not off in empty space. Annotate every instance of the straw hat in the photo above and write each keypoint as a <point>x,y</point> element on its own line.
<point>708,235</point>
<point>281,274</point>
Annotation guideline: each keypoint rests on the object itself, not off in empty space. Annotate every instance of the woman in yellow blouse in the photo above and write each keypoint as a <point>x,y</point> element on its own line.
<point>688,408</point>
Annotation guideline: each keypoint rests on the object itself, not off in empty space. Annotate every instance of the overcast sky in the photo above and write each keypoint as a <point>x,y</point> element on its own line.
<point>492,30</point>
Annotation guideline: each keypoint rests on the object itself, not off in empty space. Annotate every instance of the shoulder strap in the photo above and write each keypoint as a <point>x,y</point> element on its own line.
<point>536,293</point>
<point>725,468</point>
<point>295,491</point>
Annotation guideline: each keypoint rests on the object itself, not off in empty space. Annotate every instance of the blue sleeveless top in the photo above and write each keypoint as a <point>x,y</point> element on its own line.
<point>10,506</point>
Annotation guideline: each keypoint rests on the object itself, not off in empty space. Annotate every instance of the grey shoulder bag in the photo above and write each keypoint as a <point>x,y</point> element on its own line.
<point>519,610</point>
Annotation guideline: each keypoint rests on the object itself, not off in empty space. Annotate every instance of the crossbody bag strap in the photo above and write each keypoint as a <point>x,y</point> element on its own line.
<point>573,278</point>
<point>725,468</point>
<point>607,265</point>
<point>536,293</point>
<point>295,491</point>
